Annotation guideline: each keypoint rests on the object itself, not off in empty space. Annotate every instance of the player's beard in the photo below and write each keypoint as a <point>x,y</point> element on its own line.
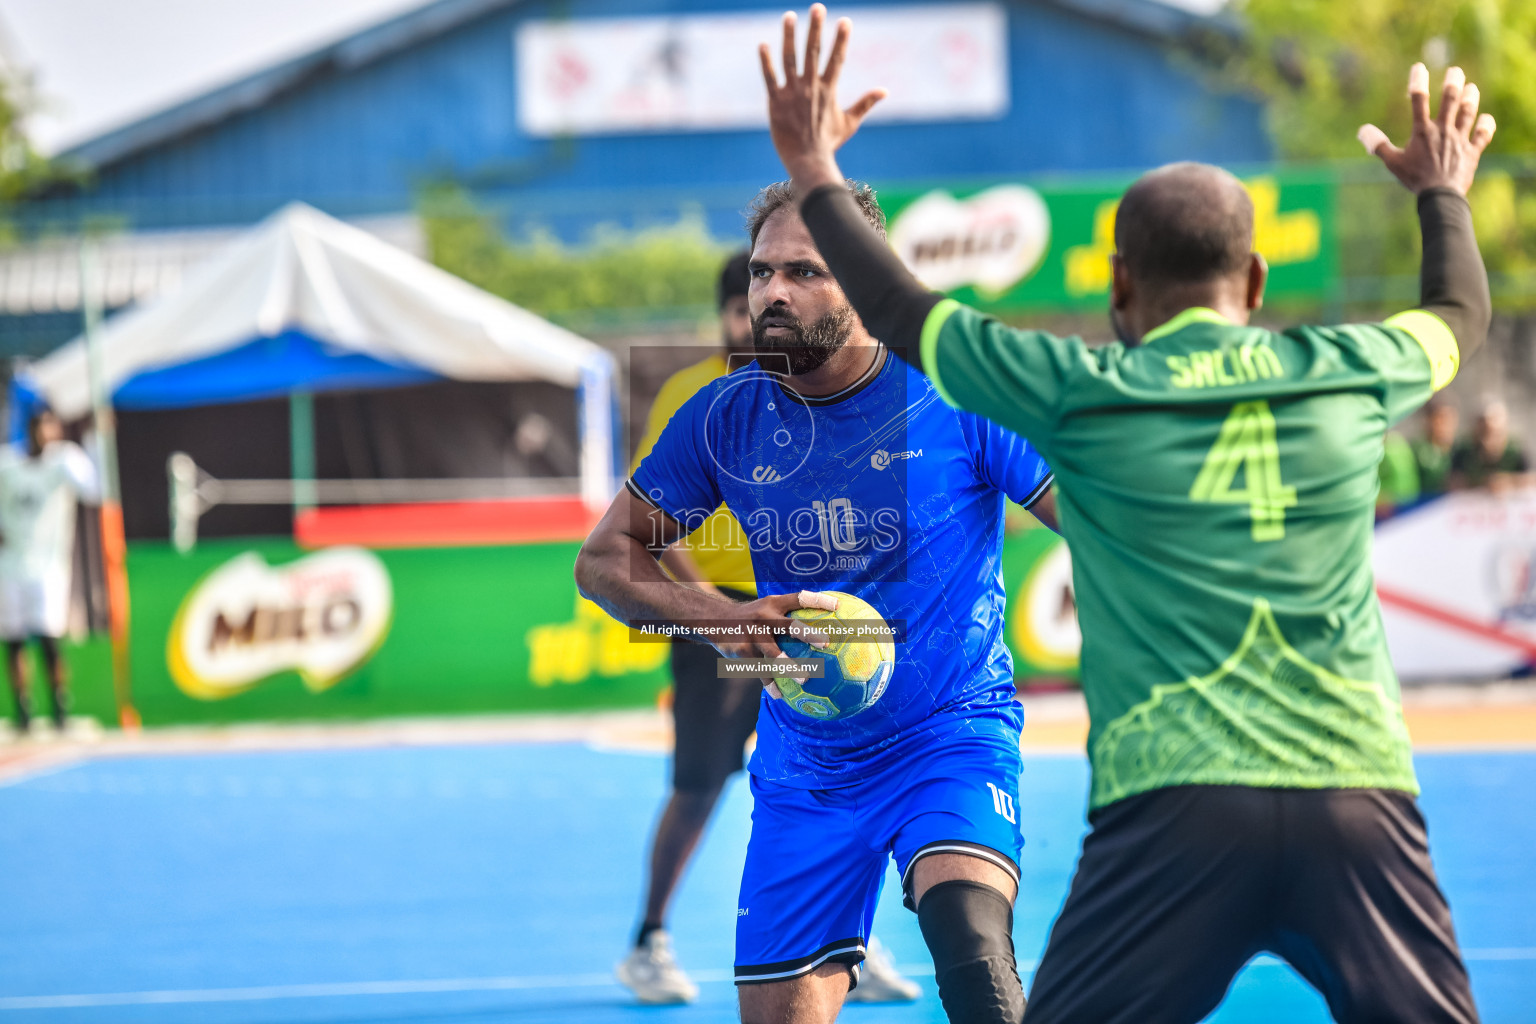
<point>807,346</point>
<point>741,347</point>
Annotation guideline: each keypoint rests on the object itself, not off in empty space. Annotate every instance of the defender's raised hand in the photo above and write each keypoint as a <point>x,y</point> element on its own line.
<point>1443,151</point>
<point>807,124</point>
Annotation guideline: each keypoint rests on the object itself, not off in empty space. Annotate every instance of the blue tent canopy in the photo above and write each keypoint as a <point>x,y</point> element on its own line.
<point>263,368</point>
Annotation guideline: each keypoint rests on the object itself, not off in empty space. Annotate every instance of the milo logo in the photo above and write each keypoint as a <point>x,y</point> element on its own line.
<point>322,616</point>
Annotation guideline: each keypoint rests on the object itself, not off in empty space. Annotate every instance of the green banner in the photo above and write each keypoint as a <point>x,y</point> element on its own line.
<point>1041,624</point>
<point>470,630</point>
<point>262,630</point>
<point>1008,247</point>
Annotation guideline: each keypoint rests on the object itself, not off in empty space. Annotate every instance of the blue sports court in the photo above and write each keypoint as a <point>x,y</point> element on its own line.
<point>500,882</point>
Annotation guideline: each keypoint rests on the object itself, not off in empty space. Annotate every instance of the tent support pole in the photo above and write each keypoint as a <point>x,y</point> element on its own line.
<point>301,446</point>
<point>114,543</point>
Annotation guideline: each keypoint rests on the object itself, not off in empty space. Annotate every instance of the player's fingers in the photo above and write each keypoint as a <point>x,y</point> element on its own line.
<point>773,690</point>
<point>822,599</point>
<point>779,606</point>
<point>1371,137</point>
<point>1377,144</point>
<point>1450,95</point>
<point>1482,132</point>
<point>809,634</point>
<point>789,47</point>
<point>865,104</point>
<point>839,51</point>
<point>770,76</point>
<point>1418,95</point>
<point>1466,110</point>
<point>812,64</point>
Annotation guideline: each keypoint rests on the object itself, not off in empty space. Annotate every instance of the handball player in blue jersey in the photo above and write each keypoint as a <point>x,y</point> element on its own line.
<point>849,474</point>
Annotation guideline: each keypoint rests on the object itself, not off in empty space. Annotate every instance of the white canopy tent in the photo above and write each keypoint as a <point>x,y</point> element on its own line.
<point>305,302</point>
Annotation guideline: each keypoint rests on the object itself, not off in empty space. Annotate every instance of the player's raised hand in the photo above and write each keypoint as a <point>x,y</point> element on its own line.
<point>803,116</point>
<point>1443,150</point>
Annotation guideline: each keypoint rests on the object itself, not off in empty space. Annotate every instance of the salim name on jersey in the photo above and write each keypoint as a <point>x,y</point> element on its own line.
<point>882,491</point>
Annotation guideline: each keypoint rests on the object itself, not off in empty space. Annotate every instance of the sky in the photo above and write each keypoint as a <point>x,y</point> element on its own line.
<point>98,64</point>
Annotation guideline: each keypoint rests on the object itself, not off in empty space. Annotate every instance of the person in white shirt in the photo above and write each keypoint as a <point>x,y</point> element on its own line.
<point>38,495</point>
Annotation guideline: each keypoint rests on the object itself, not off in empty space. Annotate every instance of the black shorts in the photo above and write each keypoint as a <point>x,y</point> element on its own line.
<point>713,718</point>
<point>1178,888</point>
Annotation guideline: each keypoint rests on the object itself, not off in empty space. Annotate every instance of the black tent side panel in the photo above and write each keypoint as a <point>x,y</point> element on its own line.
<point>443,429</point>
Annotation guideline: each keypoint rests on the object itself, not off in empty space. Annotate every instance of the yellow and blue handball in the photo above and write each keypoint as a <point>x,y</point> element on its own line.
<point>858,668</point>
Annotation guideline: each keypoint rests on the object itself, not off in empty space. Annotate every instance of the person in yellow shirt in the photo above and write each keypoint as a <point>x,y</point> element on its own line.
<point>713,718</point>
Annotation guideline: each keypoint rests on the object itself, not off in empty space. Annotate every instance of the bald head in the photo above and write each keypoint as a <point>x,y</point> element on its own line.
<point>1185,224</point>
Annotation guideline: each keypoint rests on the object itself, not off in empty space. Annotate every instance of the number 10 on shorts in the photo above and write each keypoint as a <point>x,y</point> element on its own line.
<point>1002,803</point>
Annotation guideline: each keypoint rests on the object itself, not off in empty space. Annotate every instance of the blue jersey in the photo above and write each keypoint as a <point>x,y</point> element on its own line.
<point>884,491</point>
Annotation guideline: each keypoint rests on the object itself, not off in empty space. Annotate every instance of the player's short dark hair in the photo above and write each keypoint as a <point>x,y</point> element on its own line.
<point>734,278</point>
<point>779,194</point>
<point>1184,223</point>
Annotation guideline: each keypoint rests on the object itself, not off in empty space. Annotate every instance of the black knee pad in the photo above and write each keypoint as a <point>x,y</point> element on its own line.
<point>969,930</point>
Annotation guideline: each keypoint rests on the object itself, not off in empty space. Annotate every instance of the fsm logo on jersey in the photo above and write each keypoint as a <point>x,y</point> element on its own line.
<point>882,459</point>
<point>322,616</point>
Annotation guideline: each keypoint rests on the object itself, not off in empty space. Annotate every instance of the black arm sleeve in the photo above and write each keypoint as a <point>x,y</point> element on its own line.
<point>1453,283</point>
<point>890,301</point>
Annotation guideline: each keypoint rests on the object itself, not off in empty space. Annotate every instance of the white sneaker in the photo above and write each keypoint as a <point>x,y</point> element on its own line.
<point>651,973</point>
<point>880,981</point>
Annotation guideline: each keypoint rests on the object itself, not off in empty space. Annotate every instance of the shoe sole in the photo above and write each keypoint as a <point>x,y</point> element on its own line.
<point>671,999</point>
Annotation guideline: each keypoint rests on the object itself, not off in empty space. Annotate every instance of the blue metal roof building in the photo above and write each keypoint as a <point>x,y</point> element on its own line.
<point>358,126</point>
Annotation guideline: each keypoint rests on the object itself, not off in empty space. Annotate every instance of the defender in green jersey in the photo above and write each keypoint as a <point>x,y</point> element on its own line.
<point>1253,787</point>
<point>1218,489</point>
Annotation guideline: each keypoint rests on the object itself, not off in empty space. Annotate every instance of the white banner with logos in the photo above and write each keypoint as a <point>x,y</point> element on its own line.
<point>1457,581</point>
<point>701,72</point>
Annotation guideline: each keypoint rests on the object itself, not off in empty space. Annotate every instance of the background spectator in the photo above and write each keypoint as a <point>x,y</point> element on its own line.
<point>1432,453</point>
<point>38,495</point>
<point>1490,458</point>
<point>1399,476</point>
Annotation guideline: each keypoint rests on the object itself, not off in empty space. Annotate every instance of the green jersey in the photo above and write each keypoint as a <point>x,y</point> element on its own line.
<point>1216,486</point>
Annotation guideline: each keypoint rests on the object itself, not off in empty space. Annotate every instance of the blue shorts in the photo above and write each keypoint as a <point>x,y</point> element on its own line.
<point>816,859</point>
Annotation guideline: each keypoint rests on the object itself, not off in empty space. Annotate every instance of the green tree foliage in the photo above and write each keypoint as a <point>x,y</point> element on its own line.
<point>22,170</point>
<point>1326,67</point>
<point>659,272</point>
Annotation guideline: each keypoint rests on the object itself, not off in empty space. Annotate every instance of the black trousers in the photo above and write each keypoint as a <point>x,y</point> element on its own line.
<point>1178,888</point>
<point>712,718</point>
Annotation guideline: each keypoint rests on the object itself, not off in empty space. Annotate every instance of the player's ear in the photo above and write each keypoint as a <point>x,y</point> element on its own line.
<point>1120,287</point>
<point>1258,276</point>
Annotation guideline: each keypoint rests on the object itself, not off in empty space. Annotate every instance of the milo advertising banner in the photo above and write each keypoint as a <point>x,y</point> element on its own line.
<point>321,617</point>
<point>263,630</point>
<point>267,631</point>
<point>1008,247</point>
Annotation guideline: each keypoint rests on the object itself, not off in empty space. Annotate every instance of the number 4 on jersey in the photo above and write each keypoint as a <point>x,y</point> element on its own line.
<point>1247,442</point>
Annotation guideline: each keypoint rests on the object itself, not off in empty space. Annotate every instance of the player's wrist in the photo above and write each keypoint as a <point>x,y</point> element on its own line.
<point>1439,183</point>
<point>813,172</point>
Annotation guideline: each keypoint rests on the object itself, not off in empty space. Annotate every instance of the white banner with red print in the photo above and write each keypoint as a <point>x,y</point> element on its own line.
<point>1457,580</point>
<point>589,76</point>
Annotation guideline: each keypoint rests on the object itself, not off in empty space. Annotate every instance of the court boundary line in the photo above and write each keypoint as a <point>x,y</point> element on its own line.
<point>427,986</point>
<point>27,769</point>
